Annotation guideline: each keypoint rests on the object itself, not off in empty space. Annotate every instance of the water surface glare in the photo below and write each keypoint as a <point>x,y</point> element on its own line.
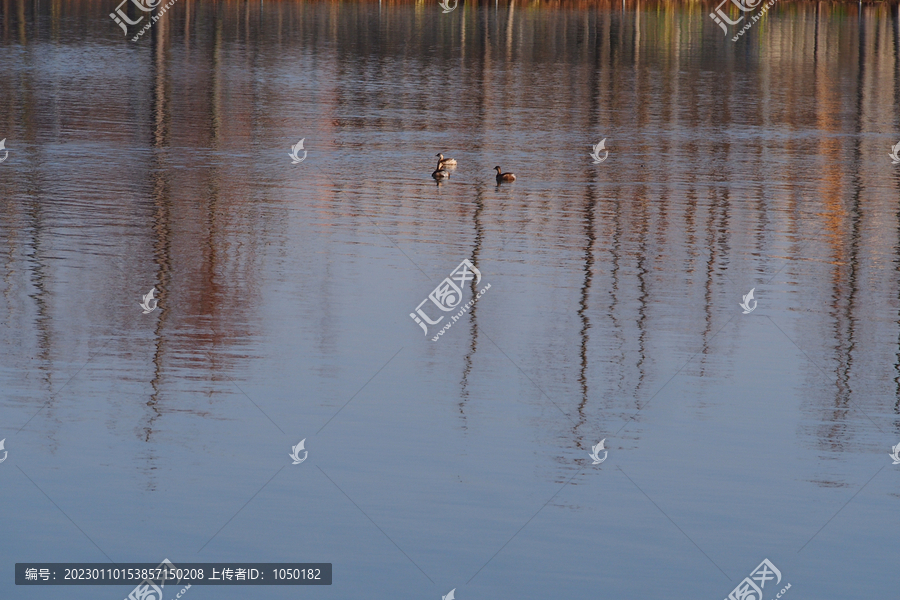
<point>285,292</point>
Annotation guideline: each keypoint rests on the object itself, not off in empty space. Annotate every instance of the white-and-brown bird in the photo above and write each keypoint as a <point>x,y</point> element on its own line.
<point>450,162</point>
<point>504,176</point>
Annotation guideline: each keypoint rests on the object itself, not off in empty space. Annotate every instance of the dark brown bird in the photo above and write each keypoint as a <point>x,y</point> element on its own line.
<point>504,176</point>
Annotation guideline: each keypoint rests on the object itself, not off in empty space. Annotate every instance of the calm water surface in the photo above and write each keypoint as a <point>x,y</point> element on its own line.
<point>285,292</point>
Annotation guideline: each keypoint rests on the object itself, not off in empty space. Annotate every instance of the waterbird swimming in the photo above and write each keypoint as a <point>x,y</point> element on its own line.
<point>446,161</point>
<point>440,172</point>
<point>504,176</point>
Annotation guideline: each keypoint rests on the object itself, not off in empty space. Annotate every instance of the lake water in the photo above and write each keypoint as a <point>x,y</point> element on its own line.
<point>285,293</point>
